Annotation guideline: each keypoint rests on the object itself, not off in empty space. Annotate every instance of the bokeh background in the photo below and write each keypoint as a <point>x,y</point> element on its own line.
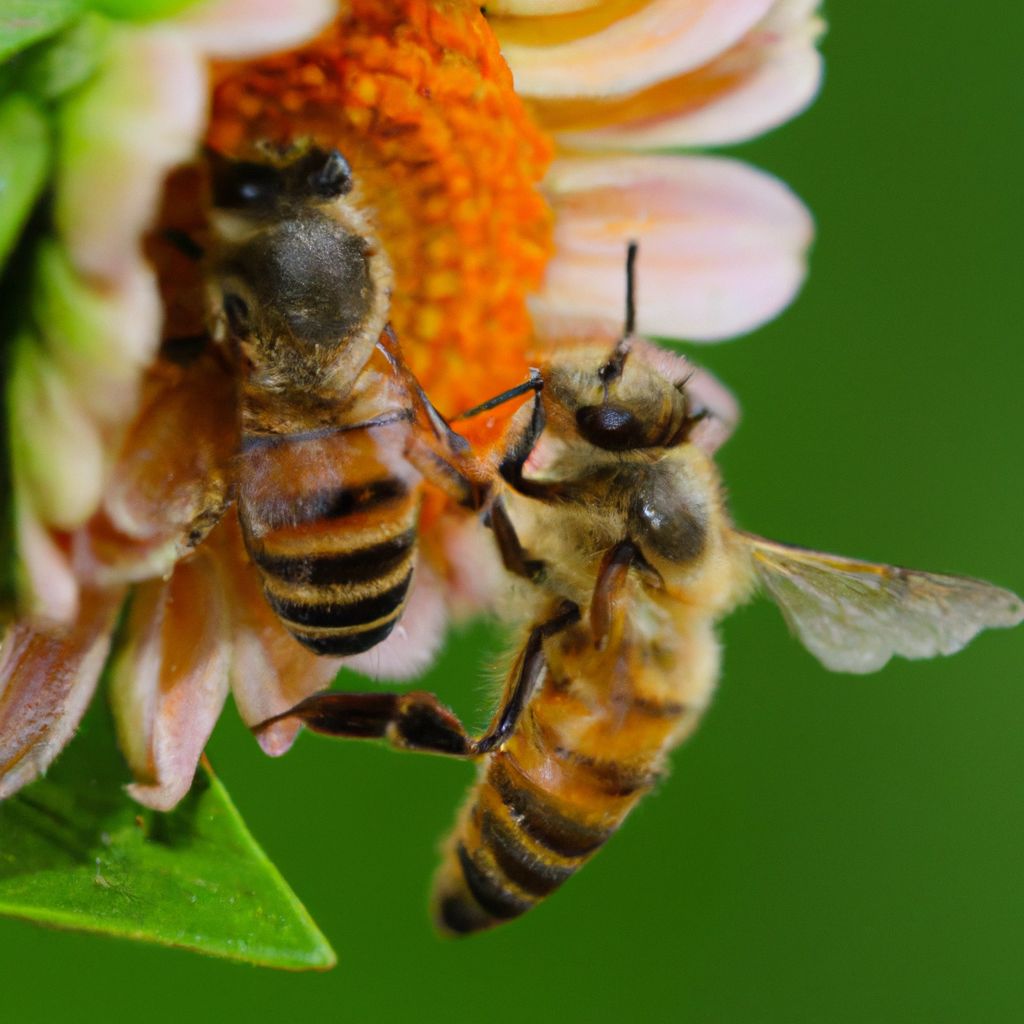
<point>828,848</point>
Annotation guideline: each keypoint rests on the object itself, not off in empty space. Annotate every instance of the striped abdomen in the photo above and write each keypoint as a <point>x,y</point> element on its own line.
<point>551,797</point>
<point>329,519</point>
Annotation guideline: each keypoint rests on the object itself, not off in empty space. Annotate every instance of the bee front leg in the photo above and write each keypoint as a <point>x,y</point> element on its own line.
<point>606,605</point>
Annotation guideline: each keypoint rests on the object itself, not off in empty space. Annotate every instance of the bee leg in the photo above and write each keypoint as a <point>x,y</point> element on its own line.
<point>458,477</point>
<point>530,667</point>
<point>513,555</point>
<point>408,721</point>
<point>514,461</point>
<point>606,604</point>
<point>418,720</point>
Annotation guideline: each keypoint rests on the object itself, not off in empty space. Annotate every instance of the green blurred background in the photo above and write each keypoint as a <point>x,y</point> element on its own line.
<point>828,848</point>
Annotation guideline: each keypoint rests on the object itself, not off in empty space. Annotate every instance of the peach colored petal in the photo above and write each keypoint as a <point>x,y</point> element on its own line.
<point>156,509</point>
<point>767,78</point>
<point>590,54</point>
<point>170,678</point>
<point>46,681</point>
<point>188,416</point>
<point>722,246</point>
<point>270,670</point>
<point>412,645</point>
<point>235,29</point>
<point>120,135</point>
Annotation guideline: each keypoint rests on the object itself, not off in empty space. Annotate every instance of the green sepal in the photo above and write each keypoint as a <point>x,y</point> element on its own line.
<point>24,22</point>
<point>25,151</point>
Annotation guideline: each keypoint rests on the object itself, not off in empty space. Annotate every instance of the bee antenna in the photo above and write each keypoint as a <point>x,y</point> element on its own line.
<point>613,368</point>
<point>631,250</point>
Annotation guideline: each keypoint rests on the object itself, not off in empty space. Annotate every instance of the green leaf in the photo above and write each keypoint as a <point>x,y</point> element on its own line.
<point>24,22</point>
<point>76,852</point>
<point>24,161</point>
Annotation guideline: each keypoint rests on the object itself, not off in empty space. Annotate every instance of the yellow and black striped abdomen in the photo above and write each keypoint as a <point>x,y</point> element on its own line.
<point>547,801</point>
<point>331,527</point>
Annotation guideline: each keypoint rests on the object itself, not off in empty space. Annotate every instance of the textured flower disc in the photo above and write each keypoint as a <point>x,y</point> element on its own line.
<point>447,161</point>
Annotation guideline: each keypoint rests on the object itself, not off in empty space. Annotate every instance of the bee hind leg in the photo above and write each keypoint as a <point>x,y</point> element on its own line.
<point>408,721</point>
<point>418,720</point>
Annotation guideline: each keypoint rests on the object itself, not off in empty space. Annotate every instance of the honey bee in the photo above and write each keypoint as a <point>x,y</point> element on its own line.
<point>336,434</point>
<point>613,508</point>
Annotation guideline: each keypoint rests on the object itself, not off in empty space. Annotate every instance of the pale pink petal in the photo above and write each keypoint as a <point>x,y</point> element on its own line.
<point>47,588</point>
<point>656,40</point>
<point>771,75</point>
<point>722,246</point>
<point>47,679</point>
<point>474,578</point>
<point>414,642</point>
<point>270,670</point>
<point>170,679</point>
<point>141,115</point>
<point>233,29</point>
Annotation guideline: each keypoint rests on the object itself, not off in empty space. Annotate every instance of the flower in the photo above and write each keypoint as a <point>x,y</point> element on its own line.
<point>504,208</point>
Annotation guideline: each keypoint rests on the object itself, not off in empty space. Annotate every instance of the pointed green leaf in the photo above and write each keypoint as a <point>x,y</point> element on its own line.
<point>76,852</point>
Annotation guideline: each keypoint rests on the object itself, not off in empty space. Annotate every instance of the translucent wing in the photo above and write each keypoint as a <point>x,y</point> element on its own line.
<point>854,616</point>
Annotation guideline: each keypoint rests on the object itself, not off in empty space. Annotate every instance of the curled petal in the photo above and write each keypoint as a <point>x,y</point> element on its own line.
<point>120,135</point>
<point>56,445</point>
<point>764,80</point>
<point>722,246</point>
<point>413,643</point>
<point>602,52</point>
<point>47,588</point>
<point>170,678</point>
<point>233,29</point>
<point>150,497</point>
<point>270,670</point>
<point>46,681</point>
<point>98,338</point>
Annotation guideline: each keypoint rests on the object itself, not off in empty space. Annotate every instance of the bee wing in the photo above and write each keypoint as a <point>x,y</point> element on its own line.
<point>854,616</point>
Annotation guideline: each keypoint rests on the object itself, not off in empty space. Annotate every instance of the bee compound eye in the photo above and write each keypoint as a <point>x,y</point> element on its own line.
<point>610,427</point>
<point>241,185</point>
<point>236,309</point>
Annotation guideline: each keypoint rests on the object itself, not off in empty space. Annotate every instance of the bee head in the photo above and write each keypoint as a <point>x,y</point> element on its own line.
<point>267,187</point>
<point>300,280</point>
<point>622,402</point>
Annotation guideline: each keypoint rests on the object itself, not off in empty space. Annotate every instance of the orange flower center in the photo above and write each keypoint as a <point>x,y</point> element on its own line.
<point>447,160</point>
